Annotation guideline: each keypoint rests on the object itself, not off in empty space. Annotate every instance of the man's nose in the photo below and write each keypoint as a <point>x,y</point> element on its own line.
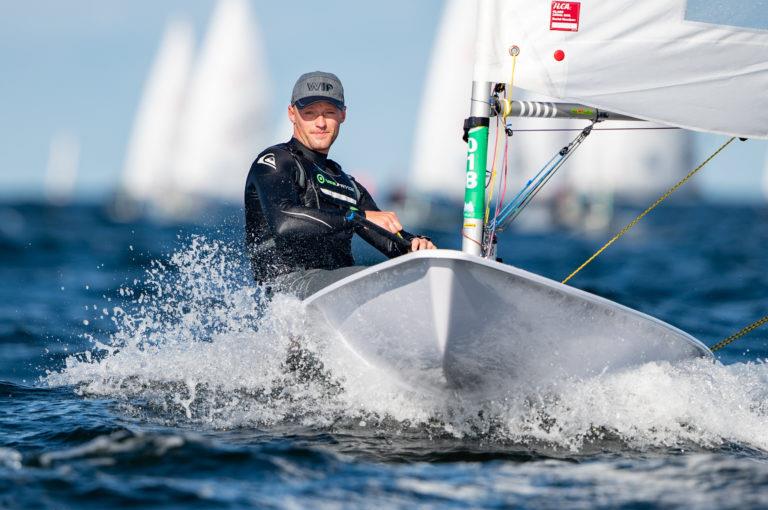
<point>320,121</point>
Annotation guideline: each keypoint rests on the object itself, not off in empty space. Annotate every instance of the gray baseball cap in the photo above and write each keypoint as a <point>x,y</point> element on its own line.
<point>318,86</point>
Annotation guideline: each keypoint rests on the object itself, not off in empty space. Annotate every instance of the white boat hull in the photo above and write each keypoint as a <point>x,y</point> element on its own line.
<point>486,324</point>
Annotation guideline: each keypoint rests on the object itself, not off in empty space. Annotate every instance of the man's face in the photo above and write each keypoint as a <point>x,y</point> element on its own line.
<point>316,125</point>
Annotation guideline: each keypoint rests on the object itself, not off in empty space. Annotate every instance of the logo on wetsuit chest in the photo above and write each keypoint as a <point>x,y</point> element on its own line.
<point>322,179</point>
<point>338,189</point>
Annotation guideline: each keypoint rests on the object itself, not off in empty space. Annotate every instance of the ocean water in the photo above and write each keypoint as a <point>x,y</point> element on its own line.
<point>139,367</point>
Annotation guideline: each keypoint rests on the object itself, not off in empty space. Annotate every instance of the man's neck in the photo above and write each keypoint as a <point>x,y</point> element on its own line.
<point>311,154</point>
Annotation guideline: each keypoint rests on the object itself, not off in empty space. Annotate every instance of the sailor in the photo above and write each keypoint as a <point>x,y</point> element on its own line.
<point>301,208</point>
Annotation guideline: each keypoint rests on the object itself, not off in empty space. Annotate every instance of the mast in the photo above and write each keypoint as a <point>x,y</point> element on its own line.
<point>476,127</point>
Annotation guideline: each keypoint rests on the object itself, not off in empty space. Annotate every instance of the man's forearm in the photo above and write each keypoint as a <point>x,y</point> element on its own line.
<point>381,242</point>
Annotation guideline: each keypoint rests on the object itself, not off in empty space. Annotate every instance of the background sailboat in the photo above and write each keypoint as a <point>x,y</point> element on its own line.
<point>227,112</point>
<point>438,151</point>
<point>633,165</point>
<point>147,175</point>
<point>62,168</point>
<point>284,130</point>
<point>200,121</point>
<point>623,167</point>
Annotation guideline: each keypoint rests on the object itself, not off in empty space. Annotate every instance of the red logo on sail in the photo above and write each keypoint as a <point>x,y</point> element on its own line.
<point>565,16</point>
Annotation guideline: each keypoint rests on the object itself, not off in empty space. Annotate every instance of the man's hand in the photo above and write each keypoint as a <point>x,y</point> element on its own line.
<point>385,219</point>
<point>419,243</point>
<point>389,221</point>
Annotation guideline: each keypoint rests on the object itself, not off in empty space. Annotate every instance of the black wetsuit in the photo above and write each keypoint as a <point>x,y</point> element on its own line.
<point>297,205</point>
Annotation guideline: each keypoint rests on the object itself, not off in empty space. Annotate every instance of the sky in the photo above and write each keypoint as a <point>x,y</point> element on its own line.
<point>77,68</point>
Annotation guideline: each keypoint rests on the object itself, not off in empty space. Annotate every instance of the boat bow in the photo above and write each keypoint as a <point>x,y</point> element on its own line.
<point>486,324</point>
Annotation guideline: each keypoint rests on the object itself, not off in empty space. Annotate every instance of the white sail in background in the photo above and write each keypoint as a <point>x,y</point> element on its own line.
<point>611,166</point>
<point>284,130</point>
<point>439,153</point>
<point>62,168</point>
<point>227,112</point>
<point>147,174</point>
<point>688,63</point>
<point>632,164</point>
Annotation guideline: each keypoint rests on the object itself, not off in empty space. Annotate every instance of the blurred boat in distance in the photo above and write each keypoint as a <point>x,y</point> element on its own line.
<point>62,168</point>
<point>147,175</point>
<point>199,119</point>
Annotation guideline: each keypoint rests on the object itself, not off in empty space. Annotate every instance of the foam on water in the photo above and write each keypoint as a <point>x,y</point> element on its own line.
<point>202,346</point>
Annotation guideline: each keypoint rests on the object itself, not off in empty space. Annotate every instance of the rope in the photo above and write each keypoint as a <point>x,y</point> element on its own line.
<point>539,130</point>
<point>505,113</point>
<point>740,333</point>
<point>493,176</point>
<point>652,207</point>
<point>490,229</point>
<point>465,236</point>
<point>510,211</point>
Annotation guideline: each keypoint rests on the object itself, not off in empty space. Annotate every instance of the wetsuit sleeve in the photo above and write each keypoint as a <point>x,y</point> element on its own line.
<point>382,243</point>
<point>272,181</point>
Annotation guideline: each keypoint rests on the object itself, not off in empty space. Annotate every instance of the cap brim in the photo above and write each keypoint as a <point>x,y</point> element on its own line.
<point>306,101</point>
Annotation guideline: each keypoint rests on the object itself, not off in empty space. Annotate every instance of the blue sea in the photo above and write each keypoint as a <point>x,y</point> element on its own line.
<point>140,368</point>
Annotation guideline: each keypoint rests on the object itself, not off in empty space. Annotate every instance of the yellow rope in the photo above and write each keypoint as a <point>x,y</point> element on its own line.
<point>510,86</point>
<point>653,206</point>
<point>507,109</point>
<point>740,333</point>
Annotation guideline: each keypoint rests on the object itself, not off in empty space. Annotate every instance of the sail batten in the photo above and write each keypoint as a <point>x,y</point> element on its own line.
<point>642,59</point>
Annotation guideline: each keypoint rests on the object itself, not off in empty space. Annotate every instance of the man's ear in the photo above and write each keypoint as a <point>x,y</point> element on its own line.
<point>343,115</point>
<point>292,113</point>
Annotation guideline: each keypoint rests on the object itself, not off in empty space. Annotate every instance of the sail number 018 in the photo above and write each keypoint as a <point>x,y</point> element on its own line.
<point>471,173</point>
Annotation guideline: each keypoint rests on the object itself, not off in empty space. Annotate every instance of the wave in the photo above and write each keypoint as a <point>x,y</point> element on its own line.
<point>201,346</point>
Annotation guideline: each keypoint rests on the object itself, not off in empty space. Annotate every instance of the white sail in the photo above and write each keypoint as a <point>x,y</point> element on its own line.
<point>632,164</point>
<point>688,63</point>
<point>152,147</point>
<point>284,130</point>
<point>439,154</point>
<point>62,168</point>
<point>227,113</point>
